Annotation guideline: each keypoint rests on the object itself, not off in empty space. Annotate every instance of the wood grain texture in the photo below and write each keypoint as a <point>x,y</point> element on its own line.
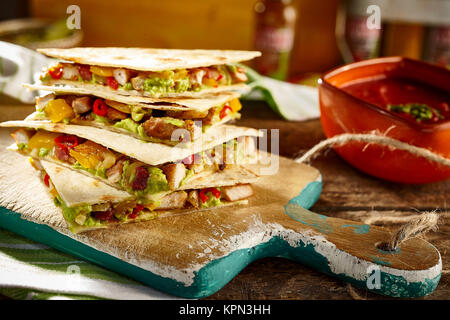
<point>347,194</point>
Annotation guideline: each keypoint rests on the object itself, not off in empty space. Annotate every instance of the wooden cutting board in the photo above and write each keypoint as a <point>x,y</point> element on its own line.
<point>195,255</point>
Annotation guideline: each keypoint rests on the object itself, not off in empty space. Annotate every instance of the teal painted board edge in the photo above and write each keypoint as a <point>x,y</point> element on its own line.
<point>216,274</point>
<point>207,280</point>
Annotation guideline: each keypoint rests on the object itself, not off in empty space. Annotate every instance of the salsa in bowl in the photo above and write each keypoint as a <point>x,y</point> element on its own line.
<point>400,98</point>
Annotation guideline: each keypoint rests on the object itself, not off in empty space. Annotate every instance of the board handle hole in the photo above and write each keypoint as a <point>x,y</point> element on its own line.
<point>385,248</point>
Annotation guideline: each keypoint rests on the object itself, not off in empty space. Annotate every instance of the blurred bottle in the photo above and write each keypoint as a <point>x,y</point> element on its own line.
<point>357,40</point>
<point>418,29</point>
<point>274,36</point>
<point>437,45</point>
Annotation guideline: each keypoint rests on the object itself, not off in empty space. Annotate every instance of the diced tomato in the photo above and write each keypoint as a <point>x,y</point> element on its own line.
<point>100,108</point>
<point>225,111</point>
<point>219,77</point>
<point>215,192</point>
<point>85,72</point>
<point>46,180</point>
<point>202,194</point>
<point>140,179</point>
<point>56,72</point>
<point>66,141</point>
<point>112,83</point>
<point>136,211</point>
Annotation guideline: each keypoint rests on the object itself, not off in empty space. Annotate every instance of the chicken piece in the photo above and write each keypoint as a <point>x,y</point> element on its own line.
<point>22,136</point>
<point>193,198</point>
<point>208,120</point>
<point>175,173</point>
<point>158,128</point>
<point>81,105</point>
<point>196,76</point>
<point>239,75</point>
<point>189,114</point>
<point>122,76</point>
<point>113,114</point>
<point>101,206</point>
<point>174,200</point>
<point>70,72</point>
<point>237,192</point>
<point>42,101</point>
<point>122,107</point>
<point>114,174</point>
<point>138,82</point>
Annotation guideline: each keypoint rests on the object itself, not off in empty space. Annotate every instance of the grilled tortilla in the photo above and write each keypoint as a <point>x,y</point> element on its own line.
<point>157,122</point>
<point>88,204</point>
<point>149,72</point>
<point>142,179</point>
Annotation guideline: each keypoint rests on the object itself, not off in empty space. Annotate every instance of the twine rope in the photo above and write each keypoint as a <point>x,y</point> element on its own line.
<point>415,226</point>
<point>371,138</point>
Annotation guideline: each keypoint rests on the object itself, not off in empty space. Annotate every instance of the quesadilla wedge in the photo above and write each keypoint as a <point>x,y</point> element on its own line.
<point>155,122</point>
<point>148,72</point>
<point>88,204</point>
<point>148,172</point>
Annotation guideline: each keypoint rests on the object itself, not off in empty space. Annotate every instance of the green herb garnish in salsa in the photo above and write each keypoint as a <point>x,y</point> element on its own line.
<point>418,111</point>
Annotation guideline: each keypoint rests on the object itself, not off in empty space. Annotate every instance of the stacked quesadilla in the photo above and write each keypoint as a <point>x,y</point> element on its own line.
<point>111,151</point>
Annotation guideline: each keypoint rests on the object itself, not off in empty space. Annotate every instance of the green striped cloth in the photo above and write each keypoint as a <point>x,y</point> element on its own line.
<point>29,270</point>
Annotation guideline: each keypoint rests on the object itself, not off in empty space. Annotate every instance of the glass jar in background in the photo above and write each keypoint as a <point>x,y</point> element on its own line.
<point>418,29</point>
<point>274,36</point>
<point>356,41</point>
<point>437,45</point>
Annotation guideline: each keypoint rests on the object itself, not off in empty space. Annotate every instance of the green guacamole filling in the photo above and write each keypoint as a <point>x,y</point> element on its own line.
<point>175,122</point>
<point>127,124</point>
<point>137,113</point>
<point>158,85</point>
<point>43,152</point>
<point>101,172</point>
<point>157,181</point>
<point>189,174</point>
<point>211,202</point>
<point>22,146</point>
<point>100,118</point>
<point>71,214</point>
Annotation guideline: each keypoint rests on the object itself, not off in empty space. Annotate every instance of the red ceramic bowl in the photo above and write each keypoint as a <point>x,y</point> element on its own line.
<point>342,112</point>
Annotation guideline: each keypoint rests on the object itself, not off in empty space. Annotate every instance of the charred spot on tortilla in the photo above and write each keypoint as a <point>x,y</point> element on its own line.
<point>107,198</point>
<point>58,169</point>
<point>96,183</point>
<point>169,59</point>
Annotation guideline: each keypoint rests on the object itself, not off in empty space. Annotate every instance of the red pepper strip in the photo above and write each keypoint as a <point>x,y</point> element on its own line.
<point>112,83</point>
<point>215,192</point>
<point>46,180</point>
<point>204,197</point>
<point>100,108</point>
<point>219,77</point>
<point>56,72</point>
<point>135,212</point>
<point>225,111</point>
<point>66,141</point>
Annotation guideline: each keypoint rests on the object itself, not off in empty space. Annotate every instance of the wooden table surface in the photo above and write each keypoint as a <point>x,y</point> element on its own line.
<point>347,193</point>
